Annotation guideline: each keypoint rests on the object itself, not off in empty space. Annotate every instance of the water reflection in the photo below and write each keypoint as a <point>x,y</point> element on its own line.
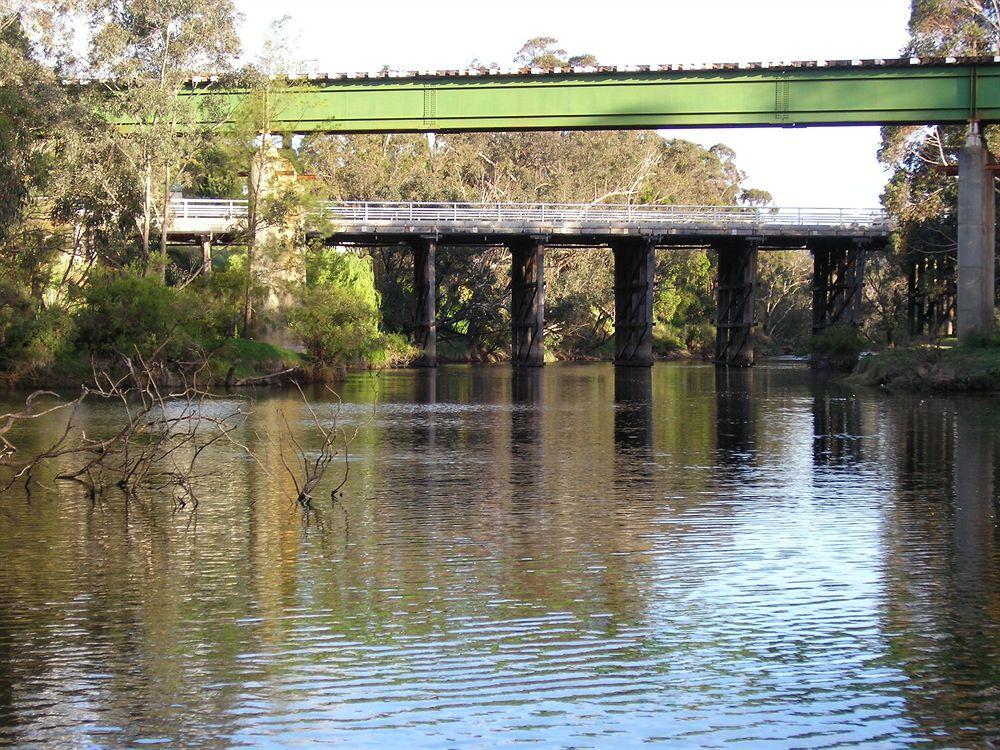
<point>634,410</point>
<point>735,423</point>
<point>837,430</point>
<point>944,603</point>
<point>573,557</point>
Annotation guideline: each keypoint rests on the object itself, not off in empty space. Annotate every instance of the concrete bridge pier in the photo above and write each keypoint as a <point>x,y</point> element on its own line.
<point>424,310</point>
<point>527,301</point>
<point>976,237</point>
<point>634,273</point>
<point>737,292</point>
<point>838,283</point>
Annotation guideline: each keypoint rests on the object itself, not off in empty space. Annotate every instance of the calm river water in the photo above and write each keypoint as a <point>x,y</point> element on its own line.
<point>569,558</point>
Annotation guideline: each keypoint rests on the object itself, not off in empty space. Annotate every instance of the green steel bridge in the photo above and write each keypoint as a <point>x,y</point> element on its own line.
<point>837,92</point>
<point>819,93</point>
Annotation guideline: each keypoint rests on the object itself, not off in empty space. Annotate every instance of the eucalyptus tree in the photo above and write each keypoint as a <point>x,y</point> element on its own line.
<point>149,49</point>
<point>21,148</point>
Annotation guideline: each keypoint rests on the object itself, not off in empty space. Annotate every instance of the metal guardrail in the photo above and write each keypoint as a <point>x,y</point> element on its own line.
<point>553,214</point>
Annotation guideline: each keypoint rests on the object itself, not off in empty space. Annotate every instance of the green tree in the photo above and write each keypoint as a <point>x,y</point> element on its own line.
<point>153,47</point>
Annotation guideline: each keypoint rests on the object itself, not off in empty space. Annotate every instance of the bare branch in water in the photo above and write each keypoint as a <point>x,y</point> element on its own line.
<point>165,433</point>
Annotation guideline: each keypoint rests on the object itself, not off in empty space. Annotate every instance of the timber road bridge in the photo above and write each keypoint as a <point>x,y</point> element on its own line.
<point>838,239</point>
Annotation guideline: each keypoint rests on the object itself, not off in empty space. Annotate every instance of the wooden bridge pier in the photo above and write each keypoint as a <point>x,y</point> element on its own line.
<point>838,283</point>
<point>737,292</point>
<point>527,301</point>
<point>634,273</point>
<point>424,309</point>
<point>205,241</point>
<point>931,294</point>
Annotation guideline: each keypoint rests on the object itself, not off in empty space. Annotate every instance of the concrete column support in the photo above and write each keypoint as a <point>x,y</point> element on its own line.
<point>737,292</point>
<point>838,284</point>
<point>634,272</point>
<point>976,238</point>
<point>424,312</point>
<point>527,302</point>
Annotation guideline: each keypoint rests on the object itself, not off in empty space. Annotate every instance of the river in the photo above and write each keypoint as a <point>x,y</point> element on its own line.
<point>564,558</point>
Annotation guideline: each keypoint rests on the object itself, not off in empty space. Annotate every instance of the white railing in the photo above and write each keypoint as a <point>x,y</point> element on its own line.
<point>208,208</point>
<point>553,215</point>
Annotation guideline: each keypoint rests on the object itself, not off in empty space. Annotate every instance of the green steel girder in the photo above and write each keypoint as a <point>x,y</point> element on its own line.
<point>894,93</point>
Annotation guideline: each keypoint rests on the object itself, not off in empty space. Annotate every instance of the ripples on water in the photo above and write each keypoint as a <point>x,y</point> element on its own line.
<point>573,558</point>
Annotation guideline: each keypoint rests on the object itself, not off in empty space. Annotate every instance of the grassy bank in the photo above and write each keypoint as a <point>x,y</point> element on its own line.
<point>940,368</point>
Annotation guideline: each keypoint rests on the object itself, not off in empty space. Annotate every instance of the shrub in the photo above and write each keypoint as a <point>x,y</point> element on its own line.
<point>335,324</point>
<point>31,336</point>
<point>221,295</point>
<point>667,338</point>
<point>700,338</point>
<point>130,312</point>
<point>333,267</point>
<point>393,350</point>
<point>836,348</point>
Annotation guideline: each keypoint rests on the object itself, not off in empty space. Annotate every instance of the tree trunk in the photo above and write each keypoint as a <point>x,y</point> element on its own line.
<point>251,252</point>
<point>147,214</point>
<point>164,224</point>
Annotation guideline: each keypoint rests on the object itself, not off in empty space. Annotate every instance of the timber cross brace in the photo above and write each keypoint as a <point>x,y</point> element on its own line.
<point>931,294</point>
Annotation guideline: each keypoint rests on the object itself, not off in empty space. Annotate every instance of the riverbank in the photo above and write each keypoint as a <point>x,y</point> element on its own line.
<point>235,363</point>
<point>932,369</point>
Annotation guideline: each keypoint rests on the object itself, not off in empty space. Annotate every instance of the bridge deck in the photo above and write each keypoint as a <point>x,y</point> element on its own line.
<point>367,223</point>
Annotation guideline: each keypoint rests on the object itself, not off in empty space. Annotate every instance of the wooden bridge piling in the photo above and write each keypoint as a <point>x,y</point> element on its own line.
<point>838,283</point>
<point>737,293</point>
<point>634,272</point>
<point>424,308</point>
<point>527,301</point>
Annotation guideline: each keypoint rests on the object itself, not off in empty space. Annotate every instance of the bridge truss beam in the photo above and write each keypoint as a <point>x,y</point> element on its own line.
<point>810,93</point>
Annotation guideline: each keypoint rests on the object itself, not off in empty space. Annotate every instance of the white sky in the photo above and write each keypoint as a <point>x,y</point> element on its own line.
<point>802,166</point>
